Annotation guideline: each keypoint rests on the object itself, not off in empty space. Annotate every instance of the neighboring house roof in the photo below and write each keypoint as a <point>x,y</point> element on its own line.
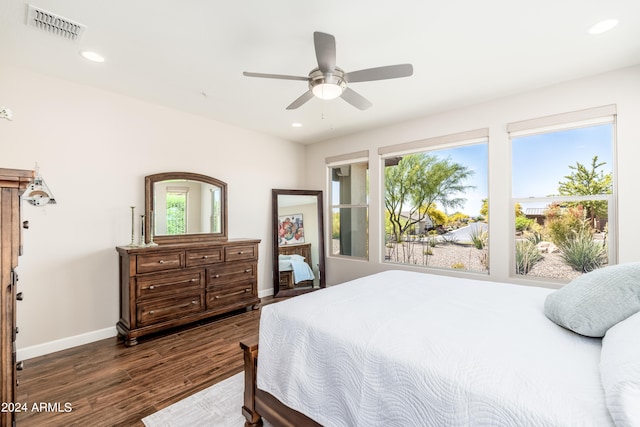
<point>534,211</point>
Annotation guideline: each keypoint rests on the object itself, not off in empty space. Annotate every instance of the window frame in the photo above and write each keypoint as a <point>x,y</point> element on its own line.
<point>357,158</point>
<point>184,193</point>
<point>444,142</point>
<point>559,123</point>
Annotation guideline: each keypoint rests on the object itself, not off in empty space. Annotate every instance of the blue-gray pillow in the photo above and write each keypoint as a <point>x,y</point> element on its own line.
<point>595,301</point>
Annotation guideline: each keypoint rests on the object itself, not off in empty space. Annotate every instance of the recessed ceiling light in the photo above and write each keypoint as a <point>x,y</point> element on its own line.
<point>603,26</point>
<point>92,56</point>
<point>296,125</point>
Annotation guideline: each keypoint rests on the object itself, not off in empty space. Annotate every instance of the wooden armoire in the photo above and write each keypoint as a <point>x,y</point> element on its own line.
<point>13,182</point>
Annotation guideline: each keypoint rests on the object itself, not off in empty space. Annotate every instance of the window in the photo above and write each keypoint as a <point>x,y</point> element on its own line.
<point>176,211</point>
<point>349,186</point>
<point>563,195</point>
<point>434,193</point>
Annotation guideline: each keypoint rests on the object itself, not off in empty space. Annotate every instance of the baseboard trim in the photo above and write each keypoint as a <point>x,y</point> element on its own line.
<point>265,293</point>
<point>64,343</point>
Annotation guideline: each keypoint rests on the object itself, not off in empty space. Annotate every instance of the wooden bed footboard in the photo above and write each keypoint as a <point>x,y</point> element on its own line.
<point>259,403</point>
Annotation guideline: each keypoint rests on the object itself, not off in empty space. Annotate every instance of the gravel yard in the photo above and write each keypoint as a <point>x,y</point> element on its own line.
<point>467,257</point>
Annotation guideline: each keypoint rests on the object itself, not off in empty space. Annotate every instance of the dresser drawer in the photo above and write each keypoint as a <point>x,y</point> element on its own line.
<point>223,275</point>
<point>159,310</point>
<point>165,284</point>
<point>204,257</point>
<point>149,263</point>
<point>241,252</point>
<point>231,295</point>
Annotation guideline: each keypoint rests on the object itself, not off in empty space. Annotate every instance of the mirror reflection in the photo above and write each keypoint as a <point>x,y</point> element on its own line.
<point>185,207</point>
<point>298,241</point>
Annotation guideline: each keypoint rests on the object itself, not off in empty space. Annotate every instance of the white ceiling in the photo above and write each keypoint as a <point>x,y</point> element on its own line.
<point>463,52</point>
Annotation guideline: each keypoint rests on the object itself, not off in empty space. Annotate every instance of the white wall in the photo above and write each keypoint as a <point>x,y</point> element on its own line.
<point>94,149</point>
<point>621,88</point>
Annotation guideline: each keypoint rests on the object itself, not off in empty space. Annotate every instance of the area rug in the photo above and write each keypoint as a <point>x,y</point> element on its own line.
<point>217,406</point>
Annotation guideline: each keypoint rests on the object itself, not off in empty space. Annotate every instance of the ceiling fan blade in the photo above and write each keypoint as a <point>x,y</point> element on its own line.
<point>301,100</point>
<point>275,76</point>
<point>380,73</point>
<point>325,51</point>
<point>355,99</point>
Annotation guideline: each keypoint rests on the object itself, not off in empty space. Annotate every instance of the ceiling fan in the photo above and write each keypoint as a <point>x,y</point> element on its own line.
<point>327,81</point>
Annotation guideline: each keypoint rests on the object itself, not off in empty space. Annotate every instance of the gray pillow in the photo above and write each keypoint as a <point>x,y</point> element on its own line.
<point>595,301</point>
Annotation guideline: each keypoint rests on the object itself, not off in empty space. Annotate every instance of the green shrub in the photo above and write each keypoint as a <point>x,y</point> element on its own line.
<point>458,265</point>
<point>534,237</point>
<point>479,237</point>
<point>583,253</point>
<point>523,223</point>
<point>563,224</point>
<point>527,255</point>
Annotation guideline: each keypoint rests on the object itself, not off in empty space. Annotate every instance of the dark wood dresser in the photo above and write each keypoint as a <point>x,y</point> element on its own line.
<point>13,182</point>
<point>174,284</point>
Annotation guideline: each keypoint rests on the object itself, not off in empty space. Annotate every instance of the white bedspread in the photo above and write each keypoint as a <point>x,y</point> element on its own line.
<point>401,348</point>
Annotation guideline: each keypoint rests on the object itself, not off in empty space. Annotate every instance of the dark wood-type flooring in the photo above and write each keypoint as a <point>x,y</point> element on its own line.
<point>108,384</point>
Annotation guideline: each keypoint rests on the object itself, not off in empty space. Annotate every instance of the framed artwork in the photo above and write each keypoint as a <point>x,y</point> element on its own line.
<point>290,229</point>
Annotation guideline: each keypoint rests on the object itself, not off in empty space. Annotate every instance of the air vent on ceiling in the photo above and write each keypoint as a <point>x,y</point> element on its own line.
<point>54,24</point>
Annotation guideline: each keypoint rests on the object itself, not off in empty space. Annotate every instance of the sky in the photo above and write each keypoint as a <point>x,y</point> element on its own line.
<point>476,158</point>
<point>539,162</point>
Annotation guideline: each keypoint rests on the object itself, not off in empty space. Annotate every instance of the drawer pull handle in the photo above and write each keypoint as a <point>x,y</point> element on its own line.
<point>235,293</point>
<point>194,302</point>
<point>20,366</point>
<point>161,261</point>
<point>194,280</point>
<point>240,253</point>
<point>151,312</point>
<point>205,257</point>
<point>152,287</point>
<point>248,270</point>
<point>215,276</point>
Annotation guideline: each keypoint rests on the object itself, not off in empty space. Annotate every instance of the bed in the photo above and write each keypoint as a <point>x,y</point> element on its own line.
<point>401,348</point>
<point>294,266</point>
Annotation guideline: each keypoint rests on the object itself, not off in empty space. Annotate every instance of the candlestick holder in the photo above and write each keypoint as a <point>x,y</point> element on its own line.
<point>152,224</point>
<point>132,244</point>
<point>141,242</point>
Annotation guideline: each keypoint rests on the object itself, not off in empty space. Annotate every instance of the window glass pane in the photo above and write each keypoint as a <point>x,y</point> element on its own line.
<point>563,240</point>
<point>349,235</point>
<point>435,211</point>
<point>350,184</point>
<point>541,161</point>
<point>176,213</point>
<point>563,186</point>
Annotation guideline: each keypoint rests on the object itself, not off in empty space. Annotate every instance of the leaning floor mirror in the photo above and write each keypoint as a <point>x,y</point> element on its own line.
<point>298,242</point>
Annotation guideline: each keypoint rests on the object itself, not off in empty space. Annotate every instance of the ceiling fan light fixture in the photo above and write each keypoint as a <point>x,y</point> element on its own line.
<point>327,91</point>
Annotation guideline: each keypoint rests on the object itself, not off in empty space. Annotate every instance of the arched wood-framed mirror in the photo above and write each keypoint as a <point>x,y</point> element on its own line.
<point>298,242</point>
<point>184,207</point>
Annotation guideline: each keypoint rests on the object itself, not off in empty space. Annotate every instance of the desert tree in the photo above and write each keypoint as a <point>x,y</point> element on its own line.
<point>416,184</point>
<point>587,181</point>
